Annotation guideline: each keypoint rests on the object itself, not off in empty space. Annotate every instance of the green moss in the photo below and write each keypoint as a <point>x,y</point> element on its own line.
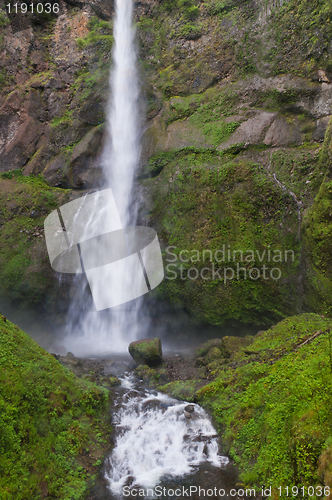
<point>25,272</point>
<point>206,202</point>
<point>3,19</point>
<point>100,35</point>
<point>185,389</point>
<point>65,119</point>
<point>219,132</point>
<point>302,35</point>
<point>191,31</point>
<point>210,106</point>
<point>272,407</point>
<point>298,170</point>
<point>48,419</point>
<point>147,374</point>
<point>318,237</point>
<point>215,7</point>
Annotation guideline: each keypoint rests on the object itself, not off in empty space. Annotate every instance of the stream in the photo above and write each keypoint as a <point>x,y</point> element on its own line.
<point>163,448</point>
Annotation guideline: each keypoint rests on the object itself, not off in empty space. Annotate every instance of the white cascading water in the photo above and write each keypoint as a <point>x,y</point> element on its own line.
<point>109,331</point>
<point>121,155</point>
<point>156,440</point>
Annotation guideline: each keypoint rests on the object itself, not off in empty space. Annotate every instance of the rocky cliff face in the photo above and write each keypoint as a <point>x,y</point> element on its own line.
<point>238,98</point>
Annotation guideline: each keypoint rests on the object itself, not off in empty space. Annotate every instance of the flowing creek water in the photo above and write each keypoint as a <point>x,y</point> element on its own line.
<point>159,451</point>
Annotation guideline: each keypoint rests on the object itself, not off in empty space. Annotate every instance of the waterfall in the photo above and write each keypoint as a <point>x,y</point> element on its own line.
<point>121,155</point>
<point>110,329</point>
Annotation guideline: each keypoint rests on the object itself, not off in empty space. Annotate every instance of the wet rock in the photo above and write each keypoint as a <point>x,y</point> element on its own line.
<point>322,76</point>
<point>251,131</point>
<point>70,355</point>
<point>56,172</point>
<point>282,133</point>
<point>23,143</point>
<point>187,415</point>
<point>146,351</point>
<point>189,408</point>
<point>162,376</point>
<point>83,159</point>
<point>199,361</point>
<point>320,128</point>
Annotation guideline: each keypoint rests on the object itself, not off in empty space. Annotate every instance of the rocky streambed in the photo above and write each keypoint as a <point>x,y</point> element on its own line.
<point>160,444</point>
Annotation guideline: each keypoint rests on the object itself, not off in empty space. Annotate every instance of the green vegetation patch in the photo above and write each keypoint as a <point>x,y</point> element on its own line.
<point>317,233</point>
<point>25,271</point>
<point>182,389</point>
<point>272,406</point>
<point>204,108</point>
<point>52,425</point>
<point>206,202</point>
<point>100,35</point>
<point>299,170</point>
<point>302,37</point>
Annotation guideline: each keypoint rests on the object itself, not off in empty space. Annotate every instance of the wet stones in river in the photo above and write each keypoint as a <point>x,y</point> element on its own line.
<point>190,408</point>
<point>189,411</point>
<point>146,352</point>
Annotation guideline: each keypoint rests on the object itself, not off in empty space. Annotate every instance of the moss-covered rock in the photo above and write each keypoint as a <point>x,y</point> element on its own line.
<point>213,353</point>
<point>114,381</point>
<point>234,344</point>
<point>147,374</point>
<point>146,351</point>
<point>182,389</point>
<point>203,349</point>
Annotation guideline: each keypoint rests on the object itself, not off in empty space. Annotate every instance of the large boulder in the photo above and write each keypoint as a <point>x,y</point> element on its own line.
<point>203,349</point>
<point>146,351</point>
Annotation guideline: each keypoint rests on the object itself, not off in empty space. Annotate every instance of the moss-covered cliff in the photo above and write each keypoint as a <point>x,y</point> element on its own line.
<point>238,98</point>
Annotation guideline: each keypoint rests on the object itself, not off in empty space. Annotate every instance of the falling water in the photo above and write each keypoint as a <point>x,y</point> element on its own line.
<point>111,330</point>
<point>122,152</point>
